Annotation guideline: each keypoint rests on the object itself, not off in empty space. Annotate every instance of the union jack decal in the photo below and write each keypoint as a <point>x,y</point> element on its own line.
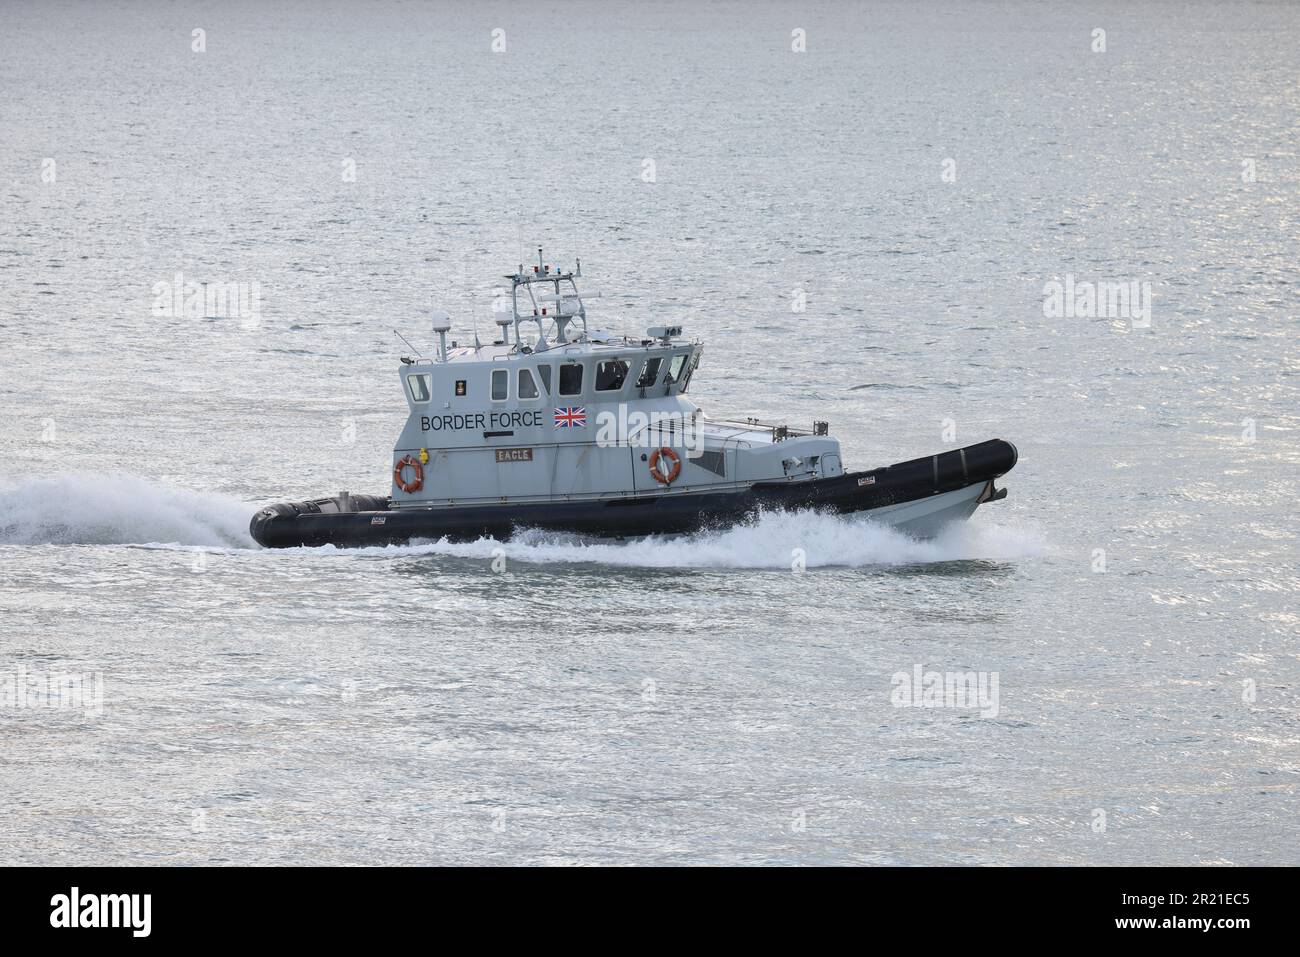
<point>570,417</point>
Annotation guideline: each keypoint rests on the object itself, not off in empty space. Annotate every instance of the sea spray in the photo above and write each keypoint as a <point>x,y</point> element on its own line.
<point>117,509</point>
<point>768,541</point>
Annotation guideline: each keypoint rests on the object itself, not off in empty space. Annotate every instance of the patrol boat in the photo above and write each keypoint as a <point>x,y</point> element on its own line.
<point>557,426</point>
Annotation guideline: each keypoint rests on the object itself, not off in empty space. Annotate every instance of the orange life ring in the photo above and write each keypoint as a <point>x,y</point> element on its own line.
<point>416,483</point>
<point>676,470</point>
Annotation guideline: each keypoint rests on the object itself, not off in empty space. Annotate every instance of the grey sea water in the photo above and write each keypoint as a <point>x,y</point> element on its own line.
<point>918,175</point>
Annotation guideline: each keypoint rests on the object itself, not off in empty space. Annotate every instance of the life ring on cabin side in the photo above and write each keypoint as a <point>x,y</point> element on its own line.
<point>416,483</point>
<point>676,470</point>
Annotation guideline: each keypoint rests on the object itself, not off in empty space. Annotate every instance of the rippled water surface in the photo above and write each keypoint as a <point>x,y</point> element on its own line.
<point>667,701</point>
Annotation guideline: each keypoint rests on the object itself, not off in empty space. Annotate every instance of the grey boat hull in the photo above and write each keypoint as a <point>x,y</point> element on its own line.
<point>918,497</point>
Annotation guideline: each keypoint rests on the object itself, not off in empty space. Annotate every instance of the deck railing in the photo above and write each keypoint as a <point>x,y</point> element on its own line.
<point>779,431</point>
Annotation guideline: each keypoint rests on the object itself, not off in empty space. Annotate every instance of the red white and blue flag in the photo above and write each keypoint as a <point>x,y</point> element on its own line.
<point>569,417</point>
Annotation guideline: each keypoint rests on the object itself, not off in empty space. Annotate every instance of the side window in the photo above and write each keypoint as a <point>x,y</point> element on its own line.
<point>675,367</point>
<point>527,387</point>
<point>649,372</point>
<point>571,379</point>
<point>544,371</point>
<point>610,375</point>
<point>500,385</point>
<point>690,371</point>
<point>419,387</point>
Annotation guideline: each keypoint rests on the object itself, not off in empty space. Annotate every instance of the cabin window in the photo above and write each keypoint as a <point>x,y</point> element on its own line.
<point>571,379</point>
<point>712,459</point>
<point>545,372</point>
<point>500,385</point>
<point>610,375</point>
<point>419,387</point>
<point>649,372</point>
<point>690,371</point>
<point>527,387</point>
<point>675,367</point>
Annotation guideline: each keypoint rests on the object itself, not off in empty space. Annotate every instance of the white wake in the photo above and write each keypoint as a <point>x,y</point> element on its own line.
<point>114,509</point>
<point>772,540</point>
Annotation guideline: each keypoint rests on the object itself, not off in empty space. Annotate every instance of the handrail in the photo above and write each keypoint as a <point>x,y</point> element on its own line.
<point>669,418</point>
<point>779,432</point>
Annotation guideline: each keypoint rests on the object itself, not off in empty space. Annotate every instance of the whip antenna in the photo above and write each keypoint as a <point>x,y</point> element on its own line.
<point>411,347</point>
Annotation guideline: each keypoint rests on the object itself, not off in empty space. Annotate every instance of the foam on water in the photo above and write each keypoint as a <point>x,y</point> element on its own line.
<point>116,509</point>
<point>772,540</point>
